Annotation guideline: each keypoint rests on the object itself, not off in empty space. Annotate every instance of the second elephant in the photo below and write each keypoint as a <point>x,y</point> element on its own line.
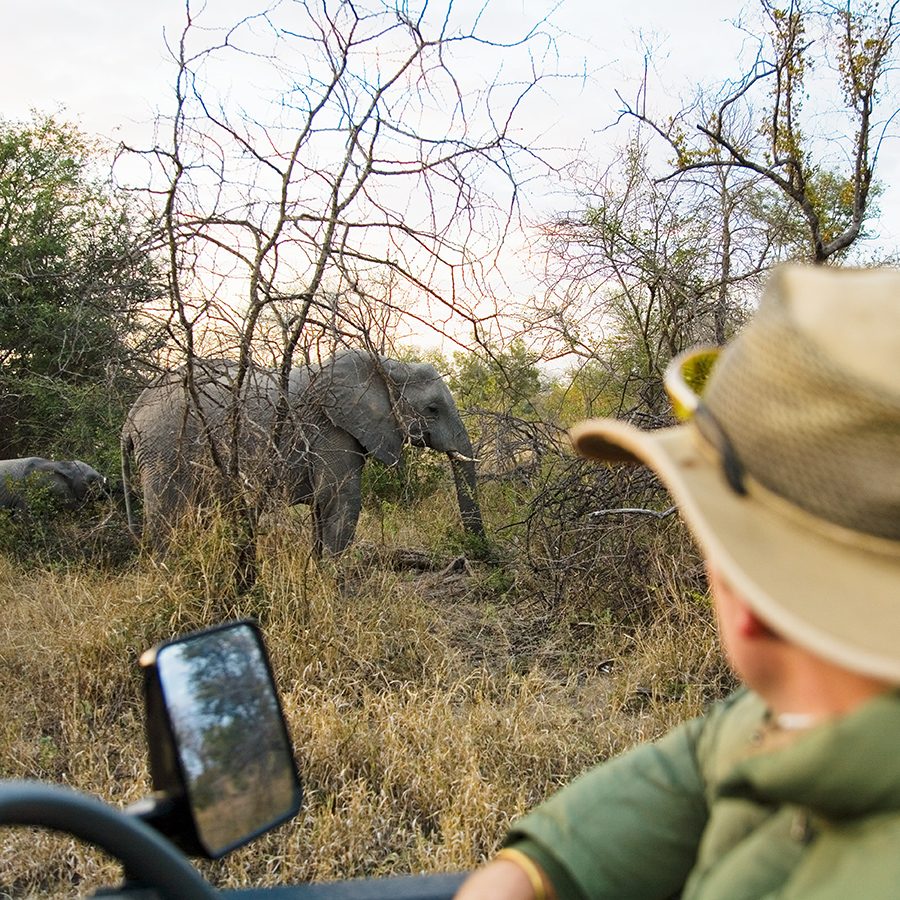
<point>70,482</point>
<point>307,444</point>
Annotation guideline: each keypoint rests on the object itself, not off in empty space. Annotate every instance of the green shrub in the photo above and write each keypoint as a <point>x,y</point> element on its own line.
<point>417,476</point>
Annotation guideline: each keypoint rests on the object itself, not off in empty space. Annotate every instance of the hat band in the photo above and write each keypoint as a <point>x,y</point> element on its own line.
<point>750,486</point>
<point>710,427</point>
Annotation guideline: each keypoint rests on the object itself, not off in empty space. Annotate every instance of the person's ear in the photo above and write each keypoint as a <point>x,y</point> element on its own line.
<point>746,622</point>
<point>749,625</point>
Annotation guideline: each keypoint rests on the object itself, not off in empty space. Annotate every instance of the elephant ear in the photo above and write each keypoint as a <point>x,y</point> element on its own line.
<point>59,478</point>
<point>351,390</point>
<point>69,473</point>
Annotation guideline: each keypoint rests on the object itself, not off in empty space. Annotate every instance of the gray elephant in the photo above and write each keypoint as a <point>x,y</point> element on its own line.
<point>304,443</point>
<point>71,482</point>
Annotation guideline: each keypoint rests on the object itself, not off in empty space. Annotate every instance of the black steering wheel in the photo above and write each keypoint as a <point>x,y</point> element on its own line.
<point>147,856</point>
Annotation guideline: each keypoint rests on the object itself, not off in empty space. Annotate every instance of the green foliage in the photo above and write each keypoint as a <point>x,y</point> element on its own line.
<point>413,354</point>
<point>502,381</point>
<point>584,391</point>
<point>72,270</point>
<point>833,197</point>
<point>48,535</point>
<point>75,277</point>
<point>456,540</point>
<point>44,416</point>
<point>417,476</point>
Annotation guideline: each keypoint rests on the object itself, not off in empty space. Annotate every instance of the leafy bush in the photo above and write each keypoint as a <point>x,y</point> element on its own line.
<point>49,536</point>
<point>417,476</point>
<point>76,274</point>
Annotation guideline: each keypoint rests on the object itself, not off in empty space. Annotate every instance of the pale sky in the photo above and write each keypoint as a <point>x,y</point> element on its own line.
<point>105,60</point>
<point>104,65</point>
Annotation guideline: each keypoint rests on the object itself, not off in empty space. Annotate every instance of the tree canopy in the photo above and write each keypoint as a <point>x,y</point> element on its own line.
<point>500,380</point>
<point>812,142</point>
<point>669,244</point>
<point>76,274</point>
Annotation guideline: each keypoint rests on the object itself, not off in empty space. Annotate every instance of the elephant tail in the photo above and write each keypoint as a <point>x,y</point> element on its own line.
<point>127,483</point>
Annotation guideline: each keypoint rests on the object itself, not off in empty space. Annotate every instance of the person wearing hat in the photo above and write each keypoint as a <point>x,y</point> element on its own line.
<point>787,474</point>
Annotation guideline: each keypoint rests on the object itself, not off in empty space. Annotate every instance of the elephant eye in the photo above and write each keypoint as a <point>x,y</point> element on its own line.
<point>432,409</point>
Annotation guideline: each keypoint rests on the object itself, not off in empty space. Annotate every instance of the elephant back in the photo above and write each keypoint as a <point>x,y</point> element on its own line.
<point>195,428</point>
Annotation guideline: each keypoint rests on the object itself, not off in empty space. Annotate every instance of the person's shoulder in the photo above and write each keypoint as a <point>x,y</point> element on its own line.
<point>729,728</point>
<point>858,858</point>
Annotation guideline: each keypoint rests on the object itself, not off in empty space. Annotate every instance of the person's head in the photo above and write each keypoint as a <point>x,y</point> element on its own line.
<point>788,471</point>
<point>789,677</point>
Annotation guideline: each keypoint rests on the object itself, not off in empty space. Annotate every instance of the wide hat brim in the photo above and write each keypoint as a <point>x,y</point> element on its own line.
<point>834,596</point>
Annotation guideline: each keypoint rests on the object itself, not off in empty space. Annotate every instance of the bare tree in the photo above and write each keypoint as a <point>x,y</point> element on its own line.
<point>646,268</point>
<point>814,142</point>
<point>666,247</point>
<point>330,168</point>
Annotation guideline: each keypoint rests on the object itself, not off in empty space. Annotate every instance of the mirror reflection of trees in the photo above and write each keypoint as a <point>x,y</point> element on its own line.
<point>228,725</point>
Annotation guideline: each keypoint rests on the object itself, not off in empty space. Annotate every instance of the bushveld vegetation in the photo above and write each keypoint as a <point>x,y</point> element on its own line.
<point>428,707</point>
<point>436,686</point>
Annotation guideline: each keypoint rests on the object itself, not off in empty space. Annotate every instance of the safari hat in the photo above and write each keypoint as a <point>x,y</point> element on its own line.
<point>788,468</point>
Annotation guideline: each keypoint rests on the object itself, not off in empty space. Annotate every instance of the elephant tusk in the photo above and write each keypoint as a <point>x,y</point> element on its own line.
<point>460,458</point>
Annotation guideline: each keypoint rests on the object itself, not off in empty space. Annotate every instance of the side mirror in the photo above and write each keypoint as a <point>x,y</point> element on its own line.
<point>220,756</point>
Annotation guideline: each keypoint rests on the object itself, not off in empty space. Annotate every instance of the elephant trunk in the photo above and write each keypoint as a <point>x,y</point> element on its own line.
<point>467,492</point>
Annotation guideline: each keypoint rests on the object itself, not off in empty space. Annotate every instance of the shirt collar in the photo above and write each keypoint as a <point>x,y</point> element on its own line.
<point>842,768</point>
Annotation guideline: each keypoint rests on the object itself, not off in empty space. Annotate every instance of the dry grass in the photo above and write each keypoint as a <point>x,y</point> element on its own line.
<point>427,709</point>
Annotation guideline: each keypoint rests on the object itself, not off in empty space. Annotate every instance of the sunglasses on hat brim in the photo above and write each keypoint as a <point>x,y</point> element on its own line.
<point>685,379</point>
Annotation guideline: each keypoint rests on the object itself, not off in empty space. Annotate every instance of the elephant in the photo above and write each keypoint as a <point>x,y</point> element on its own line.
<point>71,482</point>
<point>303,438</point>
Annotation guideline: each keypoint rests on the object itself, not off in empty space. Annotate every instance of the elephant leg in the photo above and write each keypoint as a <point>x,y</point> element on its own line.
<point>167,498</point>
<point>336,511</point>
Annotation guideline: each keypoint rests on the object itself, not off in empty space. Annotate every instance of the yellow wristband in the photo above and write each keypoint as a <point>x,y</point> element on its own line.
<point>529,867</point>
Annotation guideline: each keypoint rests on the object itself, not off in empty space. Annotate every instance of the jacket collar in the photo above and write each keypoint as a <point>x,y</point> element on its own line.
<point>843,768</point>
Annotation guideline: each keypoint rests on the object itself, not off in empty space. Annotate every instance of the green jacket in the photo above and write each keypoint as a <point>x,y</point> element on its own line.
<point>728,807</point>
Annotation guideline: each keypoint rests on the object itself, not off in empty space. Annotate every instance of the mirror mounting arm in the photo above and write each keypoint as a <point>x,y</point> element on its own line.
<point>170,816</point>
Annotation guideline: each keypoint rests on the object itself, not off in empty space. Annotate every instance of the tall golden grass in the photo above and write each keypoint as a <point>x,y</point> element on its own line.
<point>428,709</point>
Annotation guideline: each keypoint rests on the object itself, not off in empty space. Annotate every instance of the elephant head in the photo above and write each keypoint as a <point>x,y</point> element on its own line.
<point>85,481</point>
<point>70,482</point>
<point>385,403</point>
